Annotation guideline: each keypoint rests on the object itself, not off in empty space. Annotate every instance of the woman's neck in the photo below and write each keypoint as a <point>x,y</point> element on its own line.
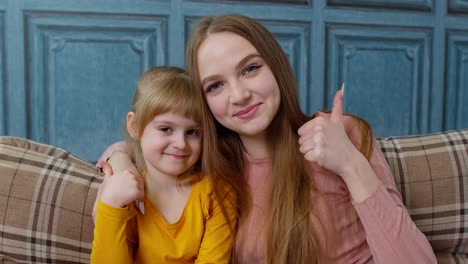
<point>256,147</point>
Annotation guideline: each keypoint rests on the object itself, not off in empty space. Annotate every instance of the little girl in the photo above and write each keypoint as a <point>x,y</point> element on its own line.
<point>185,217</point>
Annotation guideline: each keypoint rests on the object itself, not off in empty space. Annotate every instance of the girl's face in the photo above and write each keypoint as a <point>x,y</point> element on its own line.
<point>171,143</point>
<point>239,87</point>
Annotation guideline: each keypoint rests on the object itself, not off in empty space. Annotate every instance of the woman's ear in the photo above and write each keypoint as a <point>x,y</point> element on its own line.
<point>131,125</point>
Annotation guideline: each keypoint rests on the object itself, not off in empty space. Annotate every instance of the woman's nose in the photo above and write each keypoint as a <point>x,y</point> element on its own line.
<point>239,93</point>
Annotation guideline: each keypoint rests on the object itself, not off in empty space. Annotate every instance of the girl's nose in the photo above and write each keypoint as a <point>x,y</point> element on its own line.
<point>179,141</point>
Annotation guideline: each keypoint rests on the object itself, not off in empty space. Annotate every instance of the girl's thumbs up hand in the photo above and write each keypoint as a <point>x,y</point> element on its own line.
<point>121,189</point>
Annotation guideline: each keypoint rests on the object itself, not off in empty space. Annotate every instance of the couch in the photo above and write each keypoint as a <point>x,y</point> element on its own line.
<point>47,195</point>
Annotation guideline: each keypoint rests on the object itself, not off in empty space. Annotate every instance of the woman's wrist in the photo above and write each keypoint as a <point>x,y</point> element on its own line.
<point>360,178</point>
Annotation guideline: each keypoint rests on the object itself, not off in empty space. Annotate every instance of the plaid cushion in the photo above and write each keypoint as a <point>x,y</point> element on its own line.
<point>46,200</point>
<point>431,172</point>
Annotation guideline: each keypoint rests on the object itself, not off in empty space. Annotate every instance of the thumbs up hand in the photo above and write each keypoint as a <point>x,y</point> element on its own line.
<point>323,140</point>
<point>121,189</point>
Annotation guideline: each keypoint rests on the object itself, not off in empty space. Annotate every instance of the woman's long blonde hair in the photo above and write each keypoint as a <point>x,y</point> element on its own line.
<point>291,236</point>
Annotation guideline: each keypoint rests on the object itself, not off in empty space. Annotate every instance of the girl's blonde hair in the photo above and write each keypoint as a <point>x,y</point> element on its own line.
<point>291,237</point>
<point>161,90</point>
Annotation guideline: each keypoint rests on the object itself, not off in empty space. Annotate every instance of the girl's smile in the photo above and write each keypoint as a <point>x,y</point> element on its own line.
<point>171,144</point>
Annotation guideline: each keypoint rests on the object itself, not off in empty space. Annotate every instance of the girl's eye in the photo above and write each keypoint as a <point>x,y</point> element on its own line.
<point>251,68</point>
<point>193,132</point>
<point>165,129</point>
<point>213,87</point>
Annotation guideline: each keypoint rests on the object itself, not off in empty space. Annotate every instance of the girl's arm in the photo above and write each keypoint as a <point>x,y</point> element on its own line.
<point>218,241</point>
<point>118,158</point>
<point>111,243</point>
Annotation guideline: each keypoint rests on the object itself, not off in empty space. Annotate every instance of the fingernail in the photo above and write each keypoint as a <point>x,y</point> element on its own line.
<point>141,206</point>
<point>342,90</point>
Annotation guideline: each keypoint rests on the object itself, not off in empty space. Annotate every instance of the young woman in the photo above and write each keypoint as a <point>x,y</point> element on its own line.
<point>309,190</point>
<point>181,219</point>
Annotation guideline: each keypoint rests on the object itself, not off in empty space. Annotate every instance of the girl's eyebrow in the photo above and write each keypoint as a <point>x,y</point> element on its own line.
<point>174,124</point>
<point>239,66</point>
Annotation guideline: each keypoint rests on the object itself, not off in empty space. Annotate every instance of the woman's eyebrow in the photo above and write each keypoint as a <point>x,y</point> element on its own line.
<point>242,62</point>
<point>210,78</point>
<point>239,67</point>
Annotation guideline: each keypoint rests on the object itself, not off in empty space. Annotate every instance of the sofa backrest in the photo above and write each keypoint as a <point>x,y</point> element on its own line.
<point>46,200</point>
<point>431,172</point>
<point>47,196</point>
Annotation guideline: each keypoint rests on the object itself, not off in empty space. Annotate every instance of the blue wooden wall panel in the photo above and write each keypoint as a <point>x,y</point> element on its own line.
<point>456,97</point>
<point>79,66</point>
<point>423,5</point>
<point>280,2</point>
<point>3,97</point>
<point>68,67</point>
<point>386,72</point>
<point>458,6</point>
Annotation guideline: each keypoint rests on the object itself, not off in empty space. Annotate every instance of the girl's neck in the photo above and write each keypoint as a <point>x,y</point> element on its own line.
<point>156,180</point>
<point>256,147</point>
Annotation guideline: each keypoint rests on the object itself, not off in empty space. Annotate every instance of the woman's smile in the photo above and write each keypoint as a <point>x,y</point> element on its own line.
<point>247,112</point>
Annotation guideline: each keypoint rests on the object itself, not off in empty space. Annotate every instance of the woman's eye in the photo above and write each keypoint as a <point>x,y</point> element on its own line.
<point>165,129</point>
<point>213,87</point>
<point>193,132</point>
<point>251,68</point>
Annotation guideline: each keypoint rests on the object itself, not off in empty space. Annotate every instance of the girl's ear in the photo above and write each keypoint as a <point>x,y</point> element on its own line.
<point>131,125</point>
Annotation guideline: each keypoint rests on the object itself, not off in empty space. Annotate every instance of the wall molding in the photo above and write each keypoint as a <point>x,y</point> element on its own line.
<point>456,94</point>
<point>3,84</point>
<point>51,36</point>
<point>420,5</point>
<point>409,47</point>
<point>457,6</point>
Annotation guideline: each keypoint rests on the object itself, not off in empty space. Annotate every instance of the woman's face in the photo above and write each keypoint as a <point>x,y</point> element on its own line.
<point>238,85</point>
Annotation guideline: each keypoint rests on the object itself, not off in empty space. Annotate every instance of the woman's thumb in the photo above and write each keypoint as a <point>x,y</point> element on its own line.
<point>106,168</point>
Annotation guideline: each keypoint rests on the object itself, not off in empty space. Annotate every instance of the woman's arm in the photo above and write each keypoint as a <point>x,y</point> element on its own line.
<point>391,234</point>
<point>332,141</point>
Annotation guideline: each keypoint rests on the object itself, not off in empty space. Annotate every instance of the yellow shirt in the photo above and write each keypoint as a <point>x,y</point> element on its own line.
<point>201,235</point>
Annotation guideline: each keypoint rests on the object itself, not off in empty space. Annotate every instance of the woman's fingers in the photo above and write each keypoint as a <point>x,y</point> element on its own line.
<point>105,168</point>
<point>337,110</point>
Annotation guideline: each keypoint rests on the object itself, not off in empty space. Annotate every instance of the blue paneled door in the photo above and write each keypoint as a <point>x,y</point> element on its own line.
<point>68,68</point>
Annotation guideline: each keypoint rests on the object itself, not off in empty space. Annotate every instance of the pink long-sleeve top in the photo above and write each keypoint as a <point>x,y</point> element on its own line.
<point>377,230</point>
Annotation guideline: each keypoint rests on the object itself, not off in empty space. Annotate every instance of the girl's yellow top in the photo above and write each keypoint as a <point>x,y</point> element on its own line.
<point>201,235</point>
